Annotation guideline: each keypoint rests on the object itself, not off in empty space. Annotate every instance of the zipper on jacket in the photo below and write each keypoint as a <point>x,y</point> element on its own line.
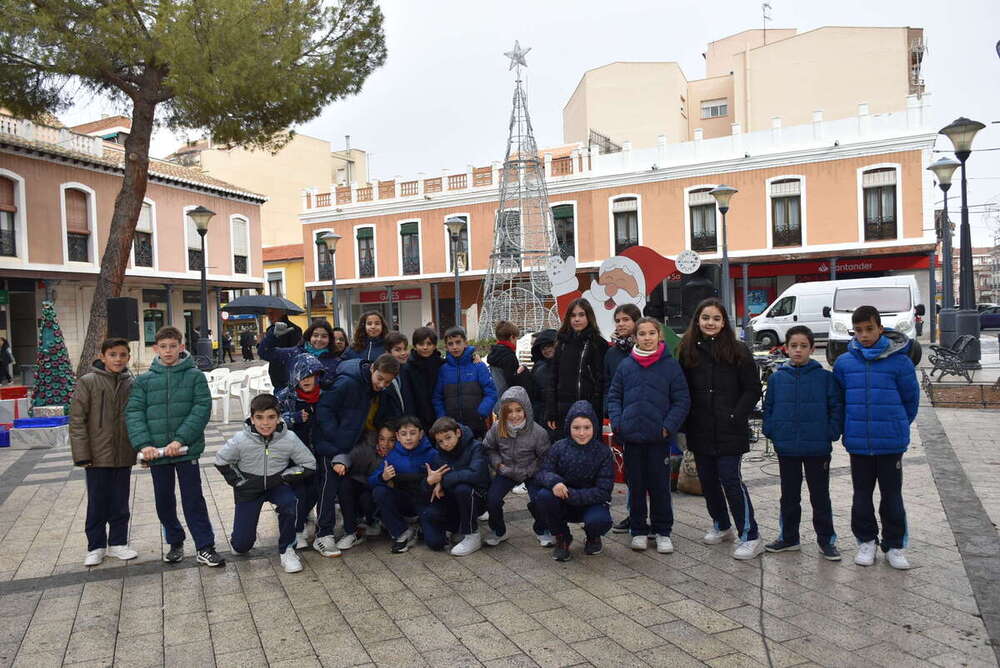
<point>868,406</point>
<point>579,371</point>
<point>100,418</point>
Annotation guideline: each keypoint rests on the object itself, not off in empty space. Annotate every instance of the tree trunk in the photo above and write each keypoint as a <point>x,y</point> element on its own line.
<point>128,206</point>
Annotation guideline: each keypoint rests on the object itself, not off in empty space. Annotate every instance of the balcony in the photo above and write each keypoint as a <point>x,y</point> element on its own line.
<point>195,261</point>
<point>366,267</point>
<point>789,236</point>
<point>411,264</point>
<point>880,229</point>
<point>240,264</point>
<point>8,243</point>
<point>325,271</point>
<point>78,247</point>
<point>704,243</point>
<point>143,249</point>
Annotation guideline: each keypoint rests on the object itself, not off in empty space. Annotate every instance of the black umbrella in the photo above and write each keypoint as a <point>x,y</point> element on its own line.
<point>261,304</point>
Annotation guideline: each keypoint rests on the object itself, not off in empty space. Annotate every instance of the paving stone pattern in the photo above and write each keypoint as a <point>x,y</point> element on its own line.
<point>505,606</point>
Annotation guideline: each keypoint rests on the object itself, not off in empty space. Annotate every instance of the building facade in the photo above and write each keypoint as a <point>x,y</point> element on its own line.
<point>57,193</point>
<point>284,277</point>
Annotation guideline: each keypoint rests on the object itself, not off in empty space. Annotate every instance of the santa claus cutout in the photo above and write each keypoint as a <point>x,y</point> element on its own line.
<point>627,278</point>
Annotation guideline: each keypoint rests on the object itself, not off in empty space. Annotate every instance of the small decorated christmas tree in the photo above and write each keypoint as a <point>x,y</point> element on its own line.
<point>54,379</point>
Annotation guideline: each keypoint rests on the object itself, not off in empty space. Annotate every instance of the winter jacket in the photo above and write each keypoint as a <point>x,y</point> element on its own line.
<point>587,470</point>
<point>343,410</point>
<point>370,350</point>
<point>615,355</point>
<point>253,464</point>
<point>541,374</point>
<point>169,403</point>
<point>722,396</point>
<point>395,399</point>
<point>803,410</point>
<point>364,460</point>
<point>467,463</point>
<point>504,361</point>
<point>881,395</point>
<point>517,457</point>
<point>410,465</point>
<point>97,433</point>
<point>643,401</point>
<point>418,379</point>
<point>278,372</point>
<point>269,351</point>
<point>577,372</point>
<point>465,391</point>
<point>290,405</point>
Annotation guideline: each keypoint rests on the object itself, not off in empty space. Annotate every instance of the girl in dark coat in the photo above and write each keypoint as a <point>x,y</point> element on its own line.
<point>577,367</point>
<point>317,341</point>
<point>369,337</point>
<point>725,386</point>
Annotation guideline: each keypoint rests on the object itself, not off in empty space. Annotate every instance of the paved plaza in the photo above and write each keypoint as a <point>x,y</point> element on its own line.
<point>512,604</point>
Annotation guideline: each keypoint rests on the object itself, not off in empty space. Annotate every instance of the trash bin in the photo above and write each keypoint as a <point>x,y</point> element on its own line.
<point>28,374</point>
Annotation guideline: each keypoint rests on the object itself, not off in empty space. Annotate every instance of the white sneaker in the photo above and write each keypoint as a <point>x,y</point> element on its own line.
<point>349,540</point>
<point>748,549</point>
<point>123,552</point>
<point>493,540</point>
<point>326,546</point>
<point>94,557</point>
<point>469,544</point>
<point>897,559</point>
<point>520,489</point>
<point>639,543</point>
<point>290,560</point>
<point>545,539</point>
<point>301,540</point>
<point>485,516</point>
<point>866,554</point>
<point>714,536</point>
<point>664,545</point>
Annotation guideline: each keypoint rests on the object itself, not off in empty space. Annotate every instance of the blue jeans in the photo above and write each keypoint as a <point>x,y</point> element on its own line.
<point>247,514</point>
<point>887,471</point>
<point>107,505</point>
<point>395,504</point>
<point>188,477</point>
<point>722,483</point>
<point>556,513</point>
<point>817,471</point>
<point>499,488</point>
<point>456,512</point>
<point>647,472</point>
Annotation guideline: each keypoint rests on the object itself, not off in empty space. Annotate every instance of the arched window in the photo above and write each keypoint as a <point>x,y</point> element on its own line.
<point>79,226</point>
<point>8,217</point>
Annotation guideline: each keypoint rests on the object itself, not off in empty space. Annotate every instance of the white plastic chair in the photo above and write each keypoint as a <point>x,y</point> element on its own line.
<point>218,390</point>
<point>236,386</point>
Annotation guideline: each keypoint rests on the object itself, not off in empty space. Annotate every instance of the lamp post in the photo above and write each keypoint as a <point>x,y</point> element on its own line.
<point>455,226</point>
<point>201,217</point>
<point>328,241</point>
<point>943,169</point>
<point>722,195</point>
<point>961,132</point>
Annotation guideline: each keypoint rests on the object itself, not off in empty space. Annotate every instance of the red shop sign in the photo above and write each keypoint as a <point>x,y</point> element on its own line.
<point>381,296</point>
<point>844,266</point>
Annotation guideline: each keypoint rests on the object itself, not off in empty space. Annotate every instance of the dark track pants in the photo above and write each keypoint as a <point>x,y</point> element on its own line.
<point>556,512</point>
<point>394,505</point>
<point>722,484</point>
<point>817,470</point>
<point>456,512</point>
<point>649,473</point>
<point>328,486</point>
<point>887,471</point>
<point>107,505</point>
<point>356,504</point>
<point>188,477</point>
<point>247,514</point>
<point>499,488</point>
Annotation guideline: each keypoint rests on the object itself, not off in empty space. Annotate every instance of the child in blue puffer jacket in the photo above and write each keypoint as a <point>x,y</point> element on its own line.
<point>803,415</point>
<point>881,396</point>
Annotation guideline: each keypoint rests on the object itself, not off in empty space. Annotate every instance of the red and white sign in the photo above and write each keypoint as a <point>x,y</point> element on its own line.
<point>844,266</point>
<point>381,296</point>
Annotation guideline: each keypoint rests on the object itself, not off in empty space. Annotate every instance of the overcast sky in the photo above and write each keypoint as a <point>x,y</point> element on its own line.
<point>442,99</point>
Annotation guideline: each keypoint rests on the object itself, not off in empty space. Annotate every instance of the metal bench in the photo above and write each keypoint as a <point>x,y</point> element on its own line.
<point>948,361</point>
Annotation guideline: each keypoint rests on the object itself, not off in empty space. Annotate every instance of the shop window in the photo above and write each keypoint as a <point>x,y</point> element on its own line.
<point>8,217</point>
<point>366,252</point>
<point>879,192</point>
<point>152,321</point>
<point>142,240</point>
<point>562,220</point>
<point>786,212</point>
<point>78,225</point>
<point>409,240</point>
<point>625,213</point>
<point>701,208</point>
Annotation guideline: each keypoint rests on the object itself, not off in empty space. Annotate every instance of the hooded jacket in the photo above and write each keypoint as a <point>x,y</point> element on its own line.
<point>803,410</point>
<point>343,410</point>
<point>587,470</point>
<point>465,391</point>
<point>253,464</point>
<point>518,456</point>
<point>722,396</point>
<point>541,373</point>
<point>467,463</point>
<point>289,403</point>
<point>410,465</point>
<point>577,371</point>
<point>169,403</point>
<point>643,401</point>
<point>504,360</point>
<point>268,350</point>
<point>418,379</point>
<point>370,351</point>
<point>881,395</point>
<point>97,432</point>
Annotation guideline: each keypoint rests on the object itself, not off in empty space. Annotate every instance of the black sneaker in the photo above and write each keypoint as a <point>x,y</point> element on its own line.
<point>781,545</point>
<point>561,550</point>
<point>621,527</point>
<point>830,552</point>
<point>593,546</point>
<point>176,553</point>
<point>210,557</point>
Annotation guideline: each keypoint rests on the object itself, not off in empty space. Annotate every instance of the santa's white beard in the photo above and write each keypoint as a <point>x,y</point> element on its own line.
<point>604,306</point>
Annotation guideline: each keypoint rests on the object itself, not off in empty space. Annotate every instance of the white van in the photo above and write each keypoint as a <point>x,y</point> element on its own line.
<point>800,304</point>
<point>897,299</point>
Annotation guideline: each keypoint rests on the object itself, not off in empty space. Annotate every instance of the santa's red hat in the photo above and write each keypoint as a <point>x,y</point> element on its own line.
<point>655,267</point>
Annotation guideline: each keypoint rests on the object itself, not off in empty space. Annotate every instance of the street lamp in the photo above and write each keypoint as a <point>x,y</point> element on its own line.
<point>455,226</point>
<point>201,217</point>
<point>328,241</point>
<point>961,132</point>
<point>943,169</point>
<point>722,195</point>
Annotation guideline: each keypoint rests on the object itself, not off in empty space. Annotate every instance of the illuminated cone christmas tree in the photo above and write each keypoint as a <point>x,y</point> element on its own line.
<point>54,379</point>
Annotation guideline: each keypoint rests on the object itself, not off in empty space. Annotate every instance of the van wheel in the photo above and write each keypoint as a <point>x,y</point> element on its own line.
<point>916,352</point>
<point>767,339</point>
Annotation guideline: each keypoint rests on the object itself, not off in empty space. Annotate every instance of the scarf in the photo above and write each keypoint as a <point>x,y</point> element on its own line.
<point>314,351</point>
<point>648,358</point>
<point>509,344</point>
<point>513,429</point>
<point>308,397</point>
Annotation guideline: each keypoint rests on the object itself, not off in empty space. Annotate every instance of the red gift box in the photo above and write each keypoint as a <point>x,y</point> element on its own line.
<point>14,392</point>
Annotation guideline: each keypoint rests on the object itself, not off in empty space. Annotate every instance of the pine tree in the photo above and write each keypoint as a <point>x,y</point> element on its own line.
<point>54,379</point>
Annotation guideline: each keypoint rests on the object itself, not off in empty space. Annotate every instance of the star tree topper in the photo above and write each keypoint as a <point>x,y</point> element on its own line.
<point>517,56</point>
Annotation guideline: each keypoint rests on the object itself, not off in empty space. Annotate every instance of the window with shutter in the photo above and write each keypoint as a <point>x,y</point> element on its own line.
<point>626,222</point>
<point>366,252</point>
<point>409,239</point>
<point>562,220</point>
<point>77,225</point>
<point>8,218</point>
<point>142,240</point>
<point>879,198</point>
<point>701,209</point>
<point>241,245</point>
<point>195,259</point>
<point>786,212</point>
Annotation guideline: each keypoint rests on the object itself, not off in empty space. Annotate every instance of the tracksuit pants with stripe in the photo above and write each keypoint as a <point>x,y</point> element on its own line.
<point>327,490</point>
<point>187,475</point>
<point>457,512</point>
<point>722,484</point>
<point>247,514</point>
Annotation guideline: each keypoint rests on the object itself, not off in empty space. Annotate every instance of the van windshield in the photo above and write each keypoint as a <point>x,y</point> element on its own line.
<point>885,299</point>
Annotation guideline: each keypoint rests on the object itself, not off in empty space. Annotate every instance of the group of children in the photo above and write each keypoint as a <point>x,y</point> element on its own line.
<point>412,443</point>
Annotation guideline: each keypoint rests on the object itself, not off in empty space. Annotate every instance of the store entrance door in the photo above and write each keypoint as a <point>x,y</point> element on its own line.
<point>23,327</point>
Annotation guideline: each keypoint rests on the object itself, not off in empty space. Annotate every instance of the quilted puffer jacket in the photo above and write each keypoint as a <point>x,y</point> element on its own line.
<point>253,464</point>
<point>465,391</point>
<point>517,456</point>
<point>643,401</point>
<point>588,470</point>
<point>803,410</point>
<point>170,403</point>
<point>881,395</point>
<point>97,433</point>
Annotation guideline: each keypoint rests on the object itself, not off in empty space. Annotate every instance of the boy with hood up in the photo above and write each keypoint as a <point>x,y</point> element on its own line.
<point>543,348</point>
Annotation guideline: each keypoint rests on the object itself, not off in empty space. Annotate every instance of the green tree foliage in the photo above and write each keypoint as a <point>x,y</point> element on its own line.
<point>243,70</point>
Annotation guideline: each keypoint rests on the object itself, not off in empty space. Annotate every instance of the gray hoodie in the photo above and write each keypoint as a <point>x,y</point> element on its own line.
<point>520,455</point>
<point>253,464</point>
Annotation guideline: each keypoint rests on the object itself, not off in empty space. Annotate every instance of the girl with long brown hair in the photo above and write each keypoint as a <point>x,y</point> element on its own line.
<point>369,337</point>
<point>577,366</point>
